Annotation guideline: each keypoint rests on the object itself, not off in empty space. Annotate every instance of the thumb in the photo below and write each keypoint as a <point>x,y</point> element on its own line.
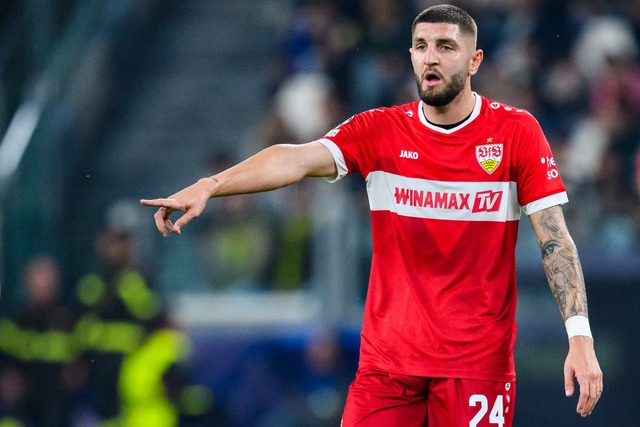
<point>183,220</point>
<point>569,385</point>
<point>191,212</point>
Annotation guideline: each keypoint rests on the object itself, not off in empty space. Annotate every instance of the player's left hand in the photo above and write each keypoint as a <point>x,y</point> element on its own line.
<point>582,364</point>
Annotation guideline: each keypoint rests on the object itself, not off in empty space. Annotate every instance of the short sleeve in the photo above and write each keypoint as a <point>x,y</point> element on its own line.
<point>539,182</point>
<point>351,145</point>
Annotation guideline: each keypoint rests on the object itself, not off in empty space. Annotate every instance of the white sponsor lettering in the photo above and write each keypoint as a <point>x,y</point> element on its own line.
<point>404,154</point>
<point>469,201</point>
<point>552,170</point>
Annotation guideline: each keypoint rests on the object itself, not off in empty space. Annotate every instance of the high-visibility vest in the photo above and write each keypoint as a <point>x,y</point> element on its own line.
<point>142,393</point>
<point>34,345</point>
<point>131,288</point>
<point>99,331</point>
<point>95,334</point>
<point>10,422</point>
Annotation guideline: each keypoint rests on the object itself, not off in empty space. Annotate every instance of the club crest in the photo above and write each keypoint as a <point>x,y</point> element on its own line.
<point>489,156</point>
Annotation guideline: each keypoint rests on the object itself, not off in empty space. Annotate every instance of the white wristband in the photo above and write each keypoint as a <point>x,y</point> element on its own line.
<point>578,325</point>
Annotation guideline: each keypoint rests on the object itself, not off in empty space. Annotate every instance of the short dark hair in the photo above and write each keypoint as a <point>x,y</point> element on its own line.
<point>448,14</point>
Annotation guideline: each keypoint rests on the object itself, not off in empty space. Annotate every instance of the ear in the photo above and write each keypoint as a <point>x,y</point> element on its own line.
<point>476,60</point>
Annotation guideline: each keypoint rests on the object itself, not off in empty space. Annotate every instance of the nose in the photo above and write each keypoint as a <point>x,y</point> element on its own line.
<point>431,55</point>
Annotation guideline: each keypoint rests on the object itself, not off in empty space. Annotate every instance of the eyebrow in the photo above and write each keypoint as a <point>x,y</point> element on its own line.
<point>442,40</point>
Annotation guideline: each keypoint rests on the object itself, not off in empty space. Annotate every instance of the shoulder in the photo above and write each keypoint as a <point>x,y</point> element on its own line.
<point>372,120</point>
<point>381,113</point>
<point>505,112</point>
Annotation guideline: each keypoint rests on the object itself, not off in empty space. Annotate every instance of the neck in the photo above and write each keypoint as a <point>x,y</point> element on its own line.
<point>453,112</point>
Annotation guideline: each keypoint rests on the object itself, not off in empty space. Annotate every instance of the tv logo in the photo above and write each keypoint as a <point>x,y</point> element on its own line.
<point>487,201</point>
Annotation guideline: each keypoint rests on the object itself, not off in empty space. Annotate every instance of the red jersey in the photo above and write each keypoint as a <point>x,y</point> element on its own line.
<point>445,206</point>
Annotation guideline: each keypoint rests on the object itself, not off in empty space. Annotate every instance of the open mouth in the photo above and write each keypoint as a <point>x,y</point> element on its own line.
<point>431,78</point>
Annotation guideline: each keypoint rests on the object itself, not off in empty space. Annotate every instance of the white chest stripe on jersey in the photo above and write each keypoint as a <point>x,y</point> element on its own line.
<point>460,201</point>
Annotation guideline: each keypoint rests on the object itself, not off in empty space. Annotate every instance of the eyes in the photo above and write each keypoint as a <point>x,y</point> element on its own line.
<point>441,47</point>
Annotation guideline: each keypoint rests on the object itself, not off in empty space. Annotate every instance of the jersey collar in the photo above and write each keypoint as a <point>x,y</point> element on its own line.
<point>475,113</point>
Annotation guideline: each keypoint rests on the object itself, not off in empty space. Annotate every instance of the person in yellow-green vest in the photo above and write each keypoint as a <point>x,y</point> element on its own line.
<point>119,309</point>
<point>155,389</point>
<point>39,352</point>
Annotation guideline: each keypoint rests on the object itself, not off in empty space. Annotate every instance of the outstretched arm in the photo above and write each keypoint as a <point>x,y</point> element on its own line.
<point>564,274</point>
<point>274,167</point>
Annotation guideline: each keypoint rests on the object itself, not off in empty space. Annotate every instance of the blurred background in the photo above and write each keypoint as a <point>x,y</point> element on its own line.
<point>251,317</point>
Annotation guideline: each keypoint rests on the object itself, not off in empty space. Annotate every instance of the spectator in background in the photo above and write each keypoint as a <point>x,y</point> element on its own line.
<point>236,246</point>
<point>321,38</point>
<point>154,384</point>
<point>615,100</point>
<point>605,135</point>
<point>39,341</point>
<point>136,357</point>
<point>305,104</point>
<point>119,309</point>
<point>236,251</point>
<point>379,71</point>
<point>291,265</point>
<point>12,395</point>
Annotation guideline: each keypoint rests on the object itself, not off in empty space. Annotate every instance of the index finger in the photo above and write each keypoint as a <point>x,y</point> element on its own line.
<point>161,203</point>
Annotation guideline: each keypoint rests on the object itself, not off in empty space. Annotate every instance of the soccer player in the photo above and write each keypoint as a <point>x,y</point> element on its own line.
<point>447,179</point>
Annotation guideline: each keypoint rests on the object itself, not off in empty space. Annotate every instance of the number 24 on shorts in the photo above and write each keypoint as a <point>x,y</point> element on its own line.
<point>496,415</point>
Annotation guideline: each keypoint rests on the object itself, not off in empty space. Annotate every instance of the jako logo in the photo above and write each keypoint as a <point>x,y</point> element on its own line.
<point>404,154</point>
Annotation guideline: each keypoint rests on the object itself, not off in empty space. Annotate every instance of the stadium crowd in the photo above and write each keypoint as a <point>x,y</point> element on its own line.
<point>574,65</point>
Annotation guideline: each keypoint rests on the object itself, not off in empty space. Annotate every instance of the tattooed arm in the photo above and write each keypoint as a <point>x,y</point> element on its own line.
<point>561,262</point>
<point>564,274</point>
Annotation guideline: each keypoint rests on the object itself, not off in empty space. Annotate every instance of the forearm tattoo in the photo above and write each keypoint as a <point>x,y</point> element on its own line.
<point>562,265</point>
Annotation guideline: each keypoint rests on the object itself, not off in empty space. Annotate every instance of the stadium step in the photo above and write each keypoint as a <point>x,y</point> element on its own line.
<point>191,92</point>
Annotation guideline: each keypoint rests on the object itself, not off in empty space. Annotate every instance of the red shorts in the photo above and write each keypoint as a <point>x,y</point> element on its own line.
<point>379,398</point>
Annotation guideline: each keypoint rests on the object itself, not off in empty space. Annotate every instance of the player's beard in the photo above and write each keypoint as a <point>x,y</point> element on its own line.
<point>439,98</point>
